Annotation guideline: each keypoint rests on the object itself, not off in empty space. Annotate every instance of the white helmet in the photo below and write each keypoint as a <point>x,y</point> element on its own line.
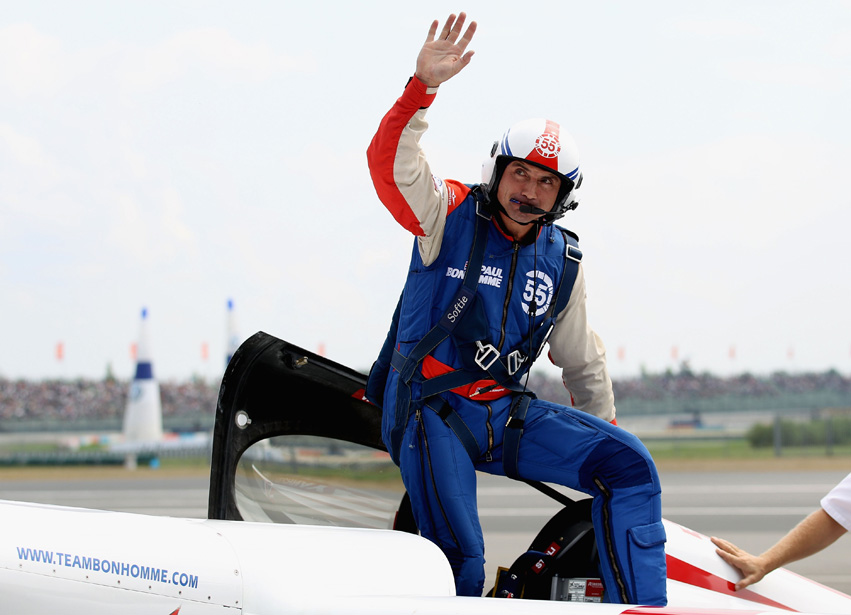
<point>543,143</point>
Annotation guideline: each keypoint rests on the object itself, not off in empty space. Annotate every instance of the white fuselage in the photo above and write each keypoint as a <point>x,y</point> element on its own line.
<point>68,560</point>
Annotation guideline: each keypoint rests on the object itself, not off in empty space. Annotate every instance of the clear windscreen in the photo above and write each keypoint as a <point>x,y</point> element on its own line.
<point>314,480</point>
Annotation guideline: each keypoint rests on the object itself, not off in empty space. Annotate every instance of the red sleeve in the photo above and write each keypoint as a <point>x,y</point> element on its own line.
<point>382,153</point>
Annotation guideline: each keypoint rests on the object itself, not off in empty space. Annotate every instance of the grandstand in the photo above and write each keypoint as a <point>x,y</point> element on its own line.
<point>98,405</point>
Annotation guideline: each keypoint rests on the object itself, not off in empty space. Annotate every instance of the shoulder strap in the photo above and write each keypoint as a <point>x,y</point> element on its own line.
<point>462,300</point>
<point>572,258</point>
<point>506,371</point>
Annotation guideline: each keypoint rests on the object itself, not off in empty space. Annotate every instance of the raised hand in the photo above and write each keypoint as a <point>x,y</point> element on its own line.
<point>442,58</point>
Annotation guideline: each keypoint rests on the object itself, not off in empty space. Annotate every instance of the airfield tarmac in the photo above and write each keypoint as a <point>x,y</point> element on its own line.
<point>751,504</point>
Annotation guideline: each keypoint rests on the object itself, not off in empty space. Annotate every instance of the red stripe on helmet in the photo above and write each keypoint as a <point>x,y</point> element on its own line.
<point>547,147</point>
<point>552,127</point>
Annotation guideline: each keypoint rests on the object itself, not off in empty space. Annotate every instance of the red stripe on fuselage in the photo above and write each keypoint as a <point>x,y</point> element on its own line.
<point>672,610</point>
<point>684,572</point>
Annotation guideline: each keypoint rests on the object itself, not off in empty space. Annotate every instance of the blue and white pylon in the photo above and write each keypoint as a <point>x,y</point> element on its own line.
<point>232,335</point>
<point>143,416</point>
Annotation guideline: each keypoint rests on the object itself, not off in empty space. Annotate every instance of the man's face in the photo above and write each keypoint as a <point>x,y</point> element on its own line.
<point>525,184</point>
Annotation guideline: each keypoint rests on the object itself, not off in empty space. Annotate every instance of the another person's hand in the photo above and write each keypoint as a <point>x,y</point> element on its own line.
<point>442,58</point>
<point>751,566</point>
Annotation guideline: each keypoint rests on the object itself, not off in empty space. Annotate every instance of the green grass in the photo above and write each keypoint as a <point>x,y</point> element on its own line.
<point>30,447</point>
<point>673,449</point>
<point>185,463</point>
<point>735,449</point>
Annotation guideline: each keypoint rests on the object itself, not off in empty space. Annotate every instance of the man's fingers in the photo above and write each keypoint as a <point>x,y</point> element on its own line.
<point>452,30</point>
<point>431,31</point>
<point>447,27</point>
<point>455,32</point>
<point>727,551</point>
<point>468,35</point>
<point>727,557</point>
<point>724,544</point>
<point>443,57</point>
<point>742,560</point>
<point>748,580</point>
<point>456,27</point>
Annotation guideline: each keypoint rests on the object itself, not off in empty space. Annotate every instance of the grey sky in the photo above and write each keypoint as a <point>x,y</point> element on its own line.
<point>174,155</point>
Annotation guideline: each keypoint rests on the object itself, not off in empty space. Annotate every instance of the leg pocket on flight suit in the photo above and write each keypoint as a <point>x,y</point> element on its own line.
<point>647,563</point>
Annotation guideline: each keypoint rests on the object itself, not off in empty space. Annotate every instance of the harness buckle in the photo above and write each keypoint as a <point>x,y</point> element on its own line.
<point>486,355</point>
<point>515,360</point>
<point>573,253</point>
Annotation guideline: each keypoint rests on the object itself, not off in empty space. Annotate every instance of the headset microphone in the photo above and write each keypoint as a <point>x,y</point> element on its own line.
<point>526,209</point>
<point>531,209</point>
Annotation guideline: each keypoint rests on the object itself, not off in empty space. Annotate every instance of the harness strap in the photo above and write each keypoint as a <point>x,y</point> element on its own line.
<point>437,384</point>
<point>513,431</point>
<point>450,380</point>
<point>459,428</point>
<point>520,405</point>
<point>462,377</point>
<point>463,298</point>
<point>407,366</point>
<point>505,371</point>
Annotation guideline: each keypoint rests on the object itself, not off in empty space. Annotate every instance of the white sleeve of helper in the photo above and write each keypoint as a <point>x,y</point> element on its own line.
<point>837,503</point>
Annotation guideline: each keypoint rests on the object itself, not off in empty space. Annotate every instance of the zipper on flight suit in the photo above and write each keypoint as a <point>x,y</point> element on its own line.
<point>509,287</point>
<point>609,540</point>
<point>489,427</point>
<point>425,458</point>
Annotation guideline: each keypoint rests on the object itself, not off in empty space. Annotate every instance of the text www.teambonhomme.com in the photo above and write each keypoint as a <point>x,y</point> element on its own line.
<point>107,566</point>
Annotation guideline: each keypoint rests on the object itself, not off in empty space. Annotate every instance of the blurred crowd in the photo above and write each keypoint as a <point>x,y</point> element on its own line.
<point>686,385</point>
<point>99,399</point>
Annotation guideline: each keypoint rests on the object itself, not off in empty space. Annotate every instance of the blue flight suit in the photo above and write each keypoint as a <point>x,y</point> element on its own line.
<point>516,288</point>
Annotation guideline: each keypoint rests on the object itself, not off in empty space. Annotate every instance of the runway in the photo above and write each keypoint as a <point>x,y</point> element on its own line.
<point>752,509</point>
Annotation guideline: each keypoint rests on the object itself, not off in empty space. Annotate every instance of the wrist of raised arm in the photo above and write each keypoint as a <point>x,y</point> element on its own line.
<point>416,88</point>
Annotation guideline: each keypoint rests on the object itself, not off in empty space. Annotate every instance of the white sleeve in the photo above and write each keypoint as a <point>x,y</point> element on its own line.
<point>426,194</point>
<point>401,174</point>
<point>580,353</point>
<point>837,503</point>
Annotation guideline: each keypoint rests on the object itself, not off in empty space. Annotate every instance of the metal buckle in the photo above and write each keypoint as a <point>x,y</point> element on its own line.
<point>486,352</point>
<point>515,359</point>
<point>482,199</point>
<point>574,254</point>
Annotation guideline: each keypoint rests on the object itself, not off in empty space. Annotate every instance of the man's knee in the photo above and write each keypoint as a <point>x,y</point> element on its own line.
<point>621,463</point>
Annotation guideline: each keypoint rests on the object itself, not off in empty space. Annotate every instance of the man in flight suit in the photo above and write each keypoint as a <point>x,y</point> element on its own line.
<point>491,281</point>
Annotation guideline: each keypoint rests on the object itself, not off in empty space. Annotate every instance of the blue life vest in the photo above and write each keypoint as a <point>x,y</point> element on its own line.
<point>485,327</point>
